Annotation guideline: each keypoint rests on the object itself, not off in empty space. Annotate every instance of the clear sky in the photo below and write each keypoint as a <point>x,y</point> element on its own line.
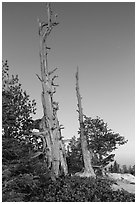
<point>99,38</point>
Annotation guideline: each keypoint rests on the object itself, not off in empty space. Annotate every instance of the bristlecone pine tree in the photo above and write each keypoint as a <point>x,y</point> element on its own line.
<point>88,169</point>
<point>50,130</point>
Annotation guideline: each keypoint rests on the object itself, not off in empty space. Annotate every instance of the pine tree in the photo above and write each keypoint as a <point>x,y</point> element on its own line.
<point>116,167</point>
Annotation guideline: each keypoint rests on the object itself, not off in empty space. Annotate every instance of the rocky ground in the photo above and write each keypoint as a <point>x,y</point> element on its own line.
<point>123,181</point>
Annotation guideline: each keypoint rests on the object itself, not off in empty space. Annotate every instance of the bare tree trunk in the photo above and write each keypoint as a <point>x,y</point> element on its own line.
<point>50,129</point>
<point>88,169</point>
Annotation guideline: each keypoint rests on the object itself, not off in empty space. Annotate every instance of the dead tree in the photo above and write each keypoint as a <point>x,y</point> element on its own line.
<point>88,169</point>
<point>50,132</point>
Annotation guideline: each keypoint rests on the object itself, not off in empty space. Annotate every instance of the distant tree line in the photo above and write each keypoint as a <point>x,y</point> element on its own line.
<point>116,168</point>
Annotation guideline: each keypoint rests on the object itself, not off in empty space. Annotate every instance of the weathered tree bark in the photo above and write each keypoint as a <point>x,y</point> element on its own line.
<point>50,129</point>
<point>88,169</point>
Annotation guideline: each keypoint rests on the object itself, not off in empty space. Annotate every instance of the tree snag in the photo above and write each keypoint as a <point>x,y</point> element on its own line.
<point>88,169</point>
<point>50,129</point>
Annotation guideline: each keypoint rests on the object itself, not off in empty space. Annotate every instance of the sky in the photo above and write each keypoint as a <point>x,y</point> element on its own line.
<point>99,38</point>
